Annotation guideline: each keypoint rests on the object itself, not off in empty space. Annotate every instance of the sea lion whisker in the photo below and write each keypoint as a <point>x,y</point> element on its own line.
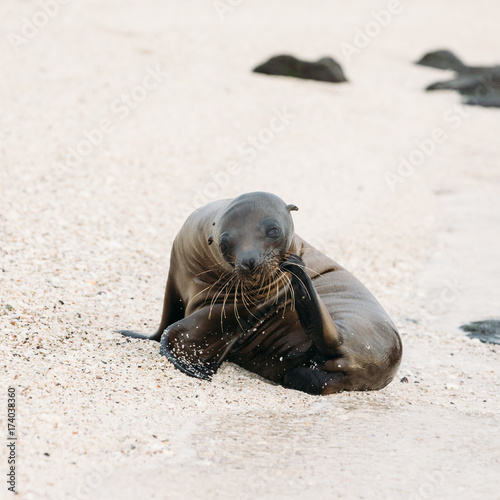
<point>245,300</point>
<point>316,273</point>
<point>283,280</point>
<point>277,292</point>
<point>214,298</point>
<point>217,295</point>
<point>288,291</point>
<point>303,284</point>
<point>269,287</point>
<point>292,292</point>
<point>246,307</point>
<point>223,312</point>
<point>209,288</point>
<point>228,291</point>
<point>209,270</point>
<point>237,315</point>
<point>279,283</point>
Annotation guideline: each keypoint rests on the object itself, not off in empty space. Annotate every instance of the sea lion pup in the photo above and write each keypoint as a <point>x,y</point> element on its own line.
<point>243,287</point>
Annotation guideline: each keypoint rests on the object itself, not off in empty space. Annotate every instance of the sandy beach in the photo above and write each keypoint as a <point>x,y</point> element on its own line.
<point>119,119</point>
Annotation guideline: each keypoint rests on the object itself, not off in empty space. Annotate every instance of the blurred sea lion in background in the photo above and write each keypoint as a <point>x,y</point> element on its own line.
<point>325,69</point>
<point>479,84</point>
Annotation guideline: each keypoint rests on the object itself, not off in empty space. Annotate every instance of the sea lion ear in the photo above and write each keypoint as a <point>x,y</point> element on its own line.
<point>210,239</point>
<point>292,208</point>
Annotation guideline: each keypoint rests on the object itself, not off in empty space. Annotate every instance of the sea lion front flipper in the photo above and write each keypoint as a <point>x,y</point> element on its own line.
<point>464,84</point>
<point>313,315</point>
<point>197,345</point>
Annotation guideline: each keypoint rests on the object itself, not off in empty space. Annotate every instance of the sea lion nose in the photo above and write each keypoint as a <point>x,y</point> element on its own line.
<point>248,263</point>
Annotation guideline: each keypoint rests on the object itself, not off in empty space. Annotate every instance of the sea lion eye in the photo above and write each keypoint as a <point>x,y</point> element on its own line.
<point>273,232</point>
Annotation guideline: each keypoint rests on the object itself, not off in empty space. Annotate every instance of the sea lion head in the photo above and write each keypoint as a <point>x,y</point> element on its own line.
<point>254,234</point>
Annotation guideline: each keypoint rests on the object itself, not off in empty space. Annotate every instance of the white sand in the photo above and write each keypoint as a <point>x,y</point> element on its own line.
<point>84,249</point>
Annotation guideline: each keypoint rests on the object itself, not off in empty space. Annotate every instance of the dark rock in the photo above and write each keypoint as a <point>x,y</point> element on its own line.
<point>479,84</point>
<point>442,59</point>
<point>404,380</point>
<point>324,70</point>
<point>334,67</point>
<point>486,331</point>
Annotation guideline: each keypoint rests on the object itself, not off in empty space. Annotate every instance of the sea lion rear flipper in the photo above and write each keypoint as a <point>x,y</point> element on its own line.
<point>136,335</point>
<point>196,345</point>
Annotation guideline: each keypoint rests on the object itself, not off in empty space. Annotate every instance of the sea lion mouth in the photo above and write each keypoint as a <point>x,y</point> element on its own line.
<point>265,283</point>
<point>260,274</point>
<point>256,277</point>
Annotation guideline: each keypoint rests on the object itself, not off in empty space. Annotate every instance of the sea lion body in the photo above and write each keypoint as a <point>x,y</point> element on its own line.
<point>479,84</point>
<point>325,69</point>
<point>303,322</point>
